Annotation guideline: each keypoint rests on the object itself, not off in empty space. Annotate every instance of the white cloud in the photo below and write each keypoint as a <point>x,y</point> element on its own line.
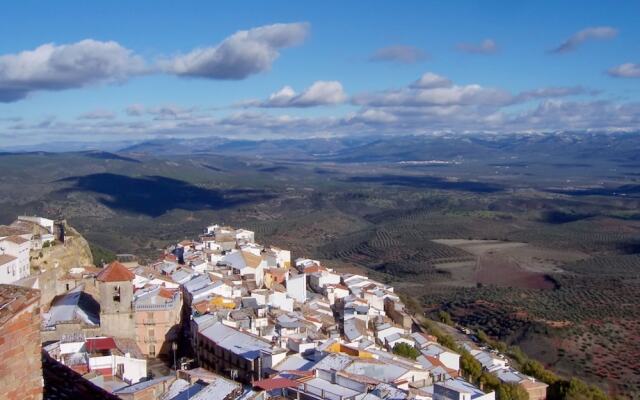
<point>167,111</point>
<point>487,46</point>
<point>433,90</point>
<point>320,93</point>
<point>240,55</point>
<point>400,54</point>
<point>591,33</point>
<point>98,114</point>
<point>627,70</point>
<point>58,67</point>
<point>429,80</point>
<point>135,110</point>
<point>551,92</point>
<point>436,96</point>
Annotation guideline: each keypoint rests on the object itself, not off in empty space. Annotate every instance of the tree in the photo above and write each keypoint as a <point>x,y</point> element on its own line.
<point>470,367</point>
<point>489,382</point>
<point>445,318</point>
<point>406,350</point>
<point>511,391</point>
<point>535,369</point>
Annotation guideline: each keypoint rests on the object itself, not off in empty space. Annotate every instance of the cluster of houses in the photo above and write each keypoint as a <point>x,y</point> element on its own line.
<point>17,240</point>
<point>262,325</point>
<point>252,323</point>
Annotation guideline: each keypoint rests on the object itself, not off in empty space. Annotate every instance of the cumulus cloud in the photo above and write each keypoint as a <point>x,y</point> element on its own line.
<point>58,67</point>
<point>599,115</point>
<point>320,93</point>
<point>433,90</point>
<point>578,38</point>
<point>98,114</point>
<point>551,92</point>
<point>627,70</point>
<point>167,111</point>
<point>487,46</point>
<point>429,80</point>
<point>240,55</point>
<point>435,103</point>
<point>399,54</point>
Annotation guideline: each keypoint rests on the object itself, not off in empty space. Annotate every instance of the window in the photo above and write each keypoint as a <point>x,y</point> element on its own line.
<point>116,294</point>
<point>152,350</point>
<point>152,334</point>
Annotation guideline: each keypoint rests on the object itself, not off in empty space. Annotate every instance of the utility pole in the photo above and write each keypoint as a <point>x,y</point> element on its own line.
<point>174,347</point>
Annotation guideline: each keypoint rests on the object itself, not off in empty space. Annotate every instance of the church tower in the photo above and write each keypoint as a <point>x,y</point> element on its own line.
<point>115,290</point>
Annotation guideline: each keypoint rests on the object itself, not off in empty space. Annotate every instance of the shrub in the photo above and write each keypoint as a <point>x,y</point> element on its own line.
<point>406,350</point>
<point>511,391</point>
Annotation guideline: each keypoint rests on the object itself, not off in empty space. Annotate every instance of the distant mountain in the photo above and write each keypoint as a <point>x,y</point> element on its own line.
<point>67,146</point>
<point>574,148</point>
<point>559,148</point>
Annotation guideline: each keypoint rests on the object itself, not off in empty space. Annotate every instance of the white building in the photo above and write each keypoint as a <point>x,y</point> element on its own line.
<point>447,357</point>
<point>297,287</point>
<point>458,389</point>
<point>9,270</point>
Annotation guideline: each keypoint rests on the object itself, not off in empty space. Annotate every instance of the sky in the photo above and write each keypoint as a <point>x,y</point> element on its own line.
<point>118,70</point>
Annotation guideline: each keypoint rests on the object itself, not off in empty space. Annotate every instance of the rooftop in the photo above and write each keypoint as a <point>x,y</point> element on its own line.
<point>241,343</point>
<point>73,306</point>
<point>6,259</point>
<point>14,299</point>
<point>115,272</point>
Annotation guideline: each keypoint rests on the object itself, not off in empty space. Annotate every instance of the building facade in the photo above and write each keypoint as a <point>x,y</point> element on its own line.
<point>157,314</point>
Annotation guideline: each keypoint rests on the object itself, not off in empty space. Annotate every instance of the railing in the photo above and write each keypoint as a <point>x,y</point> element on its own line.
<point>143,307</point>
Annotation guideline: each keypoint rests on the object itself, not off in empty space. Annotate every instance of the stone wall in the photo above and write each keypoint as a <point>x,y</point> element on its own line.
<point>20,354</point>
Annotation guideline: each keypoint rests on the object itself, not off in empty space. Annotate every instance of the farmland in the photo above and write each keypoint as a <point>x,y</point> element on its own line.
<point>496,237</point>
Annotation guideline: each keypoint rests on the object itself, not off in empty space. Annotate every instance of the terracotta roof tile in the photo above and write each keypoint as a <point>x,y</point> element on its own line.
<point>100,343</point>
<point>14,299</point>
<point>16,239</point>
<point>6,258</point>
<point>115,272</point>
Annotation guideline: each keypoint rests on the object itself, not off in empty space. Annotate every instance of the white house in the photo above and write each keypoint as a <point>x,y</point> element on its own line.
<point>18,247</point>
<point>335,292</point>
<point>297,287</point>
<point>318,280</point>
<point>9,270</point>
<point>459,389</point>
<point>447,357</point>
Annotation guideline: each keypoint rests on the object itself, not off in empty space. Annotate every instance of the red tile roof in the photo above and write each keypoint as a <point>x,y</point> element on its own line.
<point>275,383</point>
<point>14,299</point>
<point>16,239</point>
<point>100,343</point>
<point>115,272</point>
<point>6,259</point>
<point>314,268</point>
<point>166,293</point>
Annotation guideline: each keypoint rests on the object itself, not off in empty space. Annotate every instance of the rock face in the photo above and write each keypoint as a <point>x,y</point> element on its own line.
<point>74,252</point>
<point>54,262</point>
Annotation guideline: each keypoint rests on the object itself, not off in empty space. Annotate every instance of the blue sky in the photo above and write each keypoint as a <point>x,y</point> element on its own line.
<point>123,70</point>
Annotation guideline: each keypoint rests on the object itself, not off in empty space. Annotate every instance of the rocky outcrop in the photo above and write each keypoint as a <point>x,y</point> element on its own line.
<point>52,263</point>
<point>74,252</point>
